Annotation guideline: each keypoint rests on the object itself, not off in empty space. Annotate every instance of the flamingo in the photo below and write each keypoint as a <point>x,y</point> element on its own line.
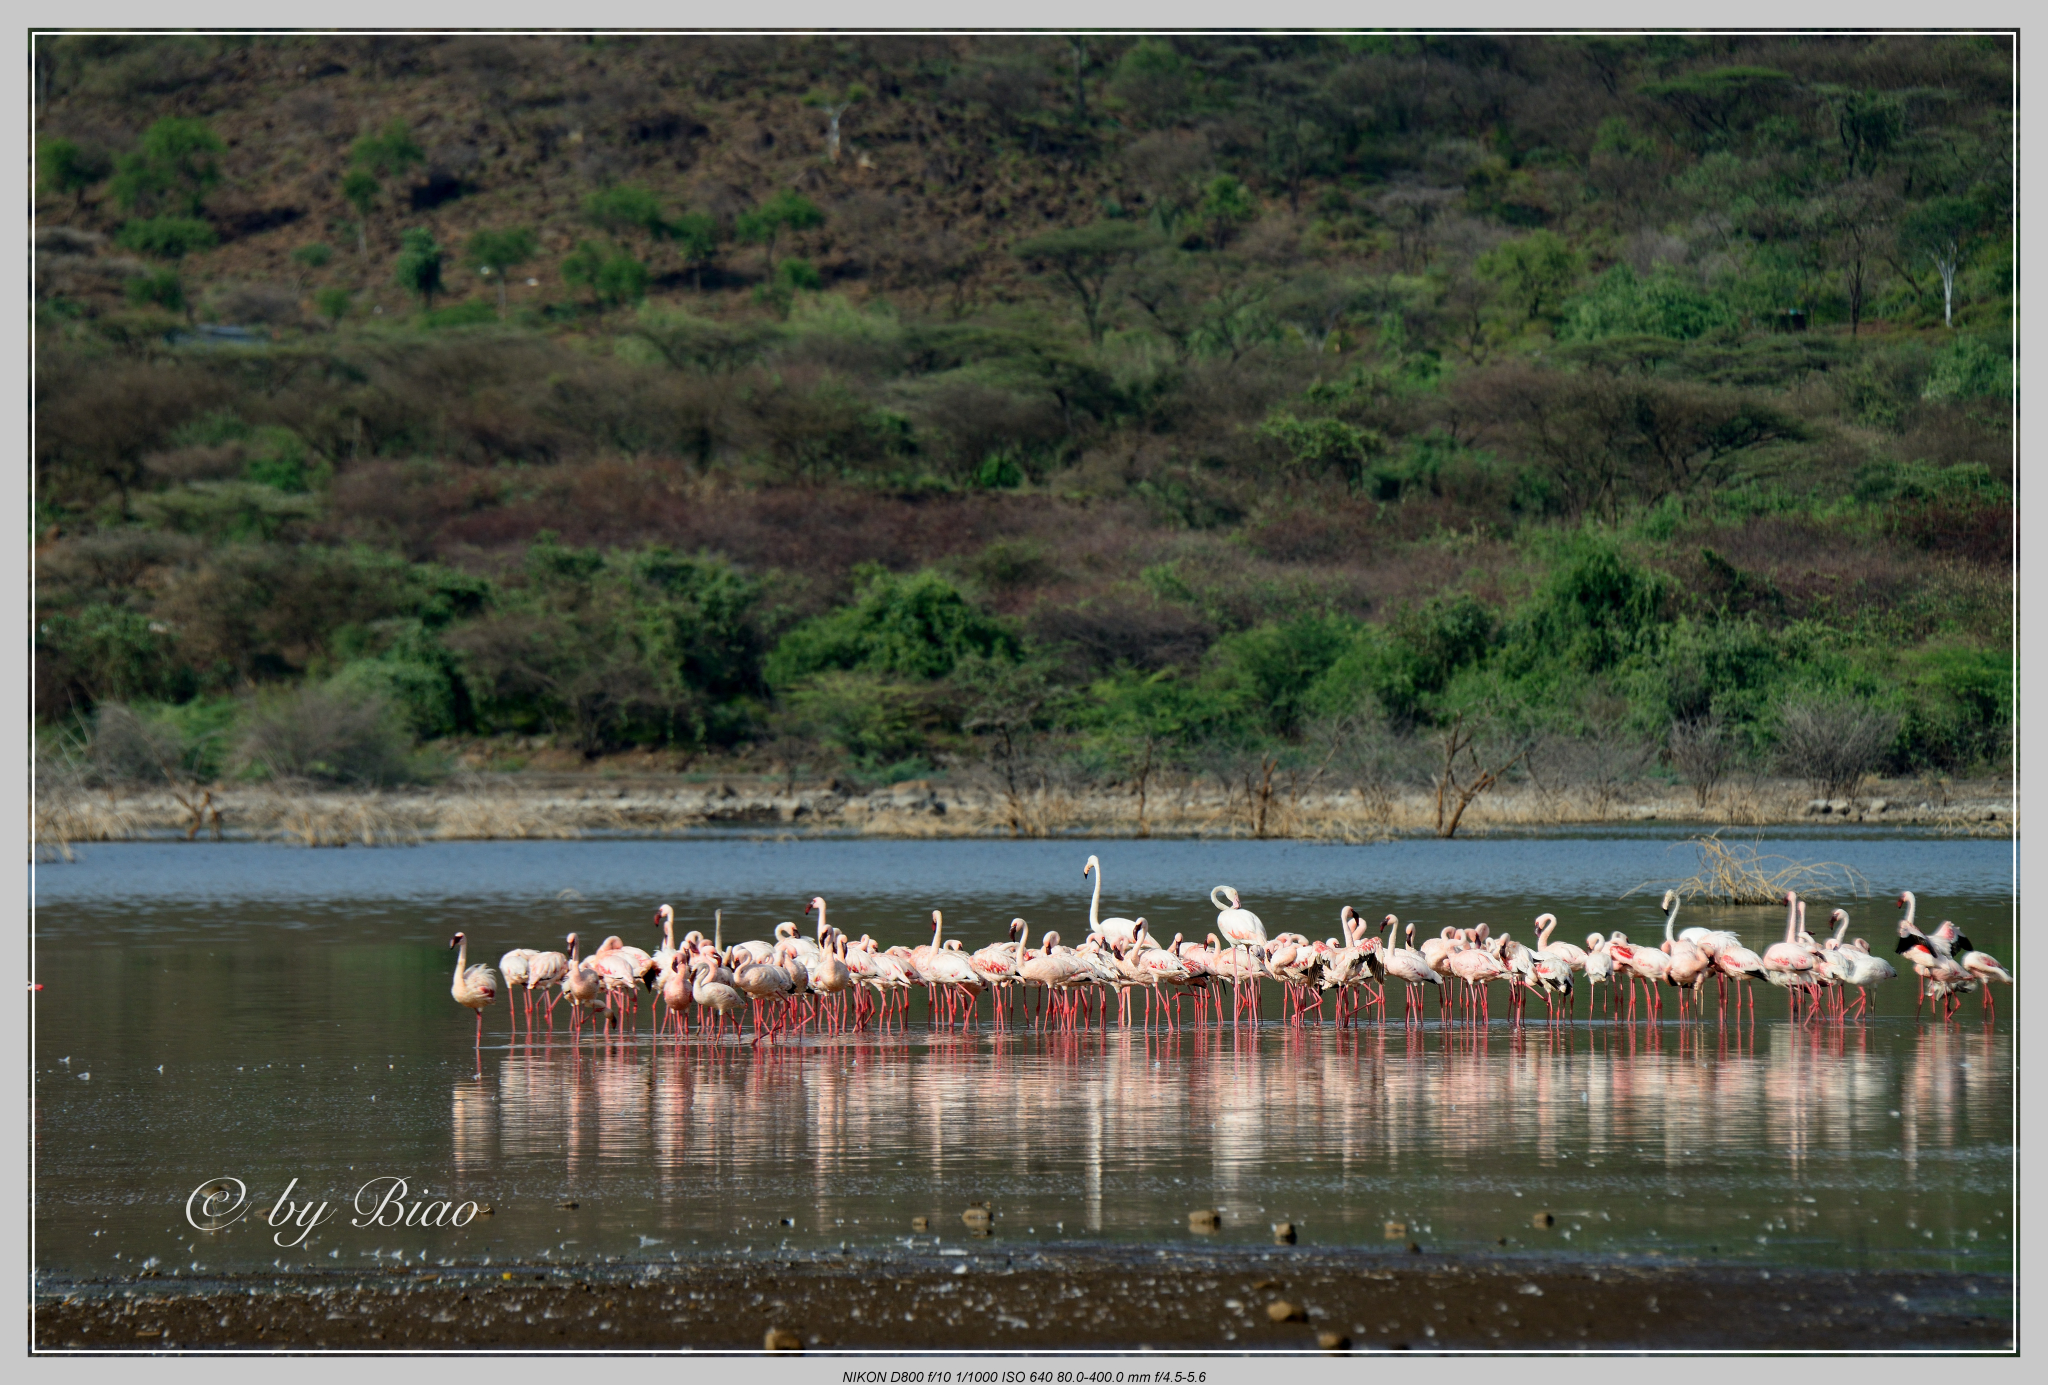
<point>666,917</point>
<point>675,991</point>
<point>1572,955</point>
<point>764,982</point>
<point>1409,967</point>
<point>832,976</point>
<point>513,967</point>
<point>1475,966</point>
<point>1984,967</point>
<point>1599,971</point>
<point>543,969</point>
<point>1157,965</point>
<point>1241,928</point>
<point>1638,964</point>
<point>1851,964</point>
<point>1789,964</point>
<point>582,984</point>
<point>713,994</point>
<point>1689,961</point>
<point>474,986</point>
<point>1054,968</point>
<point>1119,931</point>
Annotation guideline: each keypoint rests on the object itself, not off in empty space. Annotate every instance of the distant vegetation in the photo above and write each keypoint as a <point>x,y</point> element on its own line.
<point>1354,407</point>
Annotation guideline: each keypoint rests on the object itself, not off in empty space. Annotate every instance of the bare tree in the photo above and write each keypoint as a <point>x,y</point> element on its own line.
<point>1703,751</point>
<point>1465,773</point>
<point>1833,743</point>
<point>130,749</point>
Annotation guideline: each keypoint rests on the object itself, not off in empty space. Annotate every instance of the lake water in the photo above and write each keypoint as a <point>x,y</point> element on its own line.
<point>269,1013</point>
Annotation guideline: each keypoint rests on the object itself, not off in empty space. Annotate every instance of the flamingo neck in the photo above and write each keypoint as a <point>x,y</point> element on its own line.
<point>1095,901</point>
<point>1791,917</point>
<point>1670,919</point>
<point>461,958</point>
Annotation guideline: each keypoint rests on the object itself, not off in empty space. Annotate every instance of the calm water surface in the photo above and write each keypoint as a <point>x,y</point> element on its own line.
<point>270,1014</point>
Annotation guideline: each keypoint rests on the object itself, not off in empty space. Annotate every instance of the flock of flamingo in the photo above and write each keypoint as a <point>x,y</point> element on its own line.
<point>839,982</point>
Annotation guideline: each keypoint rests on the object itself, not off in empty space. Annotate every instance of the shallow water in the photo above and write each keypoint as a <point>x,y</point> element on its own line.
<point>268,1013</point>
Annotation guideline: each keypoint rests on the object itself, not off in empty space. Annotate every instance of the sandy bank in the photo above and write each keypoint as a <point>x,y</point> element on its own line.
<point>987,1299</point>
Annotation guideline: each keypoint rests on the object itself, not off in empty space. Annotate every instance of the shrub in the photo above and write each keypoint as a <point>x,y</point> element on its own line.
<point>1702,752</point>
<point>333,303</point>
<point>420,258</point>
<point>334,734</point>
<point>144,744</point>
<point>474,313</point>
<point>875,720</point>
<point>314,256</point>
<point>1968,367</point>
<point>164,289</point>
<point>174,167</point>
<point>110,653</point>
<point>1832,743</point>
<point>167,237</point>
<point>918,626</point>
<point>1619,304</point>
<point>63,166</point>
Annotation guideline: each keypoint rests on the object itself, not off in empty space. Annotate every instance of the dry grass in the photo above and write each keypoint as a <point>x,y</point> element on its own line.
<point>1738,873</point>
<point>333,821</point>
<point>66,817</point>
<point>499,817</point>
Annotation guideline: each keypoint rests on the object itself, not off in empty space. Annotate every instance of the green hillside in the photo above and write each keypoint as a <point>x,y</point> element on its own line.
<point>875,406</point>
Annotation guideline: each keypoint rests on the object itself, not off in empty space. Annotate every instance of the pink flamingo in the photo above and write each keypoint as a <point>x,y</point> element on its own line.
<point>1789,964</point>
<point>1120,932</point>
<point>543,969</point>
<point>1410,967</point>
<point>474,986</point>
<point>714,994</point>
<point>512,967</point>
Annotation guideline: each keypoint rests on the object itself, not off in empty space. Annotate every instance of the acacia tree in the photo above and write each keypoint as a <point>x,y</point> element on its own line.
<point>171,170</point>
<point>1084,260</point>
<point>498,253</point>
<point>420,259</point>
<point>764,225</point>
<point>1533,272</point>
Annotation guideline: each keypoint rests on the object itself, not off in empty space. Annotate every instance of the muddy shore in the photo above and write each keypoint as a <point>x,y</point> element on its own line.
<point>536,805</point>
<point>987,1300</point>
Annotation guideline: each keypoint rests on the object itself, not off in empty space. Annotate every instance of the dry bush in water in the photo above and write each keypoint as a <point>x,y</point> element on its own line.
<point>1833,744</point>
<point>1737,873</point>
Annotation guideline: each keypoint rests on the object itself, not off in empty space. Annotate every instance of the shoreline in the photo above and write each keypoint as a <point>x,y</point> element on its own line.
<point>539,806</point>
<point>985,1299</point>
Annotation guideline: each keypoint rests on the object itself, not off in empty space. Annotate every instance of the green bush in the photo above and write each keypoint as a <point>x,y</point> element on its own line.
<point>1619,304</point>
<point>167,237</point>
<point>918,626</point>
<point>475,313</point>
<point>172,169</point>
<point>315,256</point>
<point>113,653</point>
<point>877,721</point>
<point>164,289</point>
<point>64,166</point>
<point>420,259</point>
<point>1969,367</point>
